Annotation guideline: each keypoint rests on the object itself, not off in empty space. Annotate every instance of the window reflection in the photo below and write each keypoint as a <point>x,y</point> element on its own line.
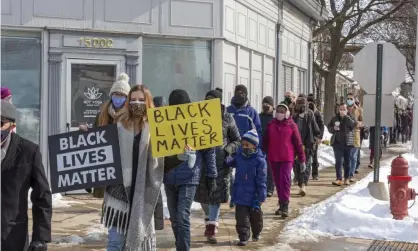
<point>21,72</point>
<point>177,64</point>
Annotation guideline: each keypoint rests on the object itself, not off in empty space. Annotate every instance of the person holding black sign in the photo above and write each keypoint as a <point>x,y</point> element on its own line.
<point>22,169</point>
<point>128,208</point>
<point>110,111</point>
<point>181,178</point>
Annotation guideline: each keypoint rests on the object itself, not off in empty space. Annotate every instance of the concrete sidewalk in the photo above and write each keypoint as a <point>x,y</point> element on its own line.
<point>81,219</point>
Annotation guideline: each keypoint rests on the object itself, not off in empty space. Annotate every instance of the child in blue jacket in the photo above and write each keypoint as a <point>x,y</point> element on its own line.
<point>250,187</point>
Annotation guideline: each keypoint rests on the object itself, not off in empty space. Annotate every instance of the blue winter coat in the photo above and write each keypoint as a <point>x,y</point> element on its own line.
<point>246,119</point>
<point>182,174</point>
<point>250,178</point>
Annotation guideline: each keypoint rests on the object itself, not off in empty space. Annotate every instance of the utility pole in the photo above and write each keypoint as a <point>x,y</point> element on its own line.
<point>415,95</point>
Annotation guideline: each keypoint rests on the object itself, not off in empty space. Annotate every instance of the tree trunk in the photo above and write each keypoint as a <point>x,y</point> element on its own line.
<point>329,99</point>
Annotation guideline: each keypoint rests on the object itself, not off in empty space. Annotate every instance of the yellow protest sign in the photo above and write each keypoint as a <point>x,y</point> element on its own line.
<point>198,125</point>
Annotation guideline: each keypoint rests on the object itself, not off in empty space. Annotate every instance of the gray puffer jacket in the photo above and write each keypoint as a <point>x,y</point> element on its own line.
<point>231,143</point>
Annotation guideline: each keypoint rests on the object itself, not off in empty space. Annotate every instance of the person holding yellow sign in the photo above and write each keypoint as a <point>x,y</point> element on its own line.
<point>182,171</point>
<point>211,205</point>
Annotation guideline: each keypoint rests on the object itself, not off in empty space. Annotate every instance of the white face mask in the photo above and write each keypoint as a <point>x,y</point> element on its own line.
<point>302,115</point>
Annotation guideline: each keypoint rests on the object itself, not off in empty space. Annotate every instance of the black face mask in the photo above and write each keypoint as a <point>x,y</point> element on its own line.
<point>288,100</point>
<point>266,109</point>
<point>301,109</point>
<point>240,99</point>
<point>311,106</point>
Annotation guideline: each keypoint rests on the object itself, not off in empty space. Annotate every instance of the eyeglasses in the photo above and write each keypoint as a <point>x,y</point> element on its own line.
<point>350,99</point>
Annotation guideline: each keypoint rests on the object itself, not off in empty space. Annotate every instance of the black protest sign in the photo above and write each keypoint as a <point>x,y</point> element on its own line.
<point>80,160</point>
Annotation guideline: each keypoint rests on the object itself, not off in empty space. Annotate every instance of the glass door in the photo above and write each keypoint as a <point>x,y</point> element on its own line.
<point>88,87</point>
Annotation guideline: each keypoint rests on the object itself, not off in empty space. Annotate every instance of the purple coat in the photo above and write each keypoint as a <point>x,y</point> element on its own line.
<point>282,140</point>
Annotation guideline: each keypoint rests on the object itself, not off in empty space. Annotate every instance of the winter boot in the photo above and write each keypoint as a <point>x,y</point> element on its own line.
<point>280,210</point>
<point>211,232</point>
<point>285,209</point>
<point>346,182</point>
<point>302,190</point>
<point>256,238</point>
<point>242,243</point>
<point>338,183</point>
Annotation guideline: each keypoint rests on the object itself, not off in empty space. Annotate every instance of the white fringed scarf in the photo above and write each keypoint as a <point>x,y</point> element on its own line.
<point>135,219</point>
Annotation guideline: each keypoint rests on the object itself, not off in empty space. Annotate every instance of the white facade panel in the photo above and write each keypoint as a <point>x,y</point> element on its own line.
<point>254,70</point>
<point>246,26</point>
<point>268,77</point>
<point>230,54</point>
<point>269,8</point>
<point>202,18</point>
<point>229,82</point>
<point>295,21</point>
<point>256,90</point>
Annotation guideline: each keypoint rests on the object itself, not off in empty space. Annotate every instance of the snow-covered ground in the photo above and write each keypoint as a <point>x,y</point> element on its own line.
<point>354,213</point>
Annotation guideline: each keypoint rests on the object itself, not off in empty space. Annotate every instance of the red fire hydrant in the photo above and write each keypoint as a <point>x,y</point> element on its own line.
<point>399,192</point>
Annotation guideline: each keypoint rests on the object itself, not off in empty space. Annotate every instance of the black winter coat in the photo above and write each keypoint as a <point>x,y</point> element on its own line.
<point>312,129</point>
<point>231,143</point>
<point>346,133</point>
<point>265,119</point>
<point>22,169</point>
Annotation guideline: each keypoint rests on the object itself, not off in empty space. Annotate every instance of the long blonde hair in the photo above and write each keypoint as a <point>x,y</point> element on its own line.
<point>127,119</point>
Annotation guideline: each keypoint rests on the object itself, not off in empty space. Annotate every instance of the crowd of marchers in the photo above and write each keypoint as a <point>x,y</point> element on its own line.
<point>263,149</point>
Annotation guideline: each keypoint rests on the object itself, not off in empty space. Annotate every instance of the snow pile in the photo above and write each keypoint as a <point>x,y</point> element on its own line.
<point>58,201</point>
<point>326,153</point>
<point>95,233</point>
<point>354,213</point>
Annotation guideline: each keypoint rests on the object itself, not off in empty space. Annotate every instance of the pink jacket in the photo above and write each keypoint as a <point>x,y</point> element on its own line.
<point>281,141</point>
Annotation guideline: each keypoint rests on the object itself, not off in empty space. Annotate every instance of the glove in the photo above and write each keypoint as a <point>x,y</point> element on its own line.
<point>256,205</point>
<point>189,156</point>
<point>211,184</point>
<point>302,167</point>
<point>38,246</point>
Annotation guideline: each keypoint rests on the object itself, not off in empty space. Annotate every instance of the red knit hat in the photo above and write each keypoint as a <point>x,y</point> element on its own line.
<point>5,92</point>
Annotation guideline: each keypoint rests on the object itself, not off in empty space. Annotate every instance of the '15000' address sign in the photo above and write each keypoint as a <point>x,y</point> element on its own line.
<point>96,42</point>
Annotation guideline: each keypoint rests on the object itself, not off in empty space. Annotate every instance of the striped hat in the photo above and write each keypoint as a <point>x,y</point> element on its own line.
<point>251,136</point>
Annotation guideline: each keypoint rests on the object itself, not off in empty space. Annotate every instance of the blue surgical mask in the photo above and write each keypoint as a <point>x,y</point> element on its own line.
<point>350,102</point>
<point>118,101</point>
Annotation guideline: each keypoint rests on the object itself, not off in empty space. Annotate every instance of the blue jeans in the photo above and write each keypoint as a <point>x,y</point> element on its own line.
<point>179,202</point>
<point>353,160</point>
<point>342,155</point>
<point>212,211</point>
<point>115,240</point>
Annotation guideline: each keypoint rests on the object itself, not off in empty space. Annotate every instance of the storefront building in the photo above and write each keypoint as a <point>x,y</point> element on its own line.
<point>295,60</point>
<point>60,57</point>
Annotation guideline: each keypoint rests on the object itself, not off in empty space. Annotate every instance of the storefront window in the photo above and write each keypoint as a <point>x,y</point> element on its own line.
<point>177,64</point>
<point>21,72</point>
<point>90,87</point>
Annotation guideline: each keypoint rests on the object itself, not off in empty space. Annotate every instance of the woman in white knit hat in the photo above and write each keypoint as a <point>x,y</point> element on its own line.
<point>111,111</point>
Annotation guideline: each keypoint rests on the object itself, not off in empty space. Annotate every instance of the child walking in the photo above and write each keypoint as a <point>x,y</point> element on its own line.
<point>250,188</point>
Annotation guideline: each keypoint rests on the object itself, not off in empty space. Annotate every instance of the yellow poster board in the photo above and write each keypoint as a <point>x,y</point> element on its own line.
<point>198,125</point>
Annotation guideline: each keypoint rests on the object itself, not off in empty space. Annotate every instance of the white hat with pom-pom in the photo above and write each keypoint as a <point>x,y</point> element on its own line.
<point>121,85</point>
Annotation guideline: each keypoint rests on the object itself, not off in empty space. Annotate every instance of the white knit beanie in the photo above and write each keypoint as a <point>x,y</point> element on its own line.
<point>121,85</point>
